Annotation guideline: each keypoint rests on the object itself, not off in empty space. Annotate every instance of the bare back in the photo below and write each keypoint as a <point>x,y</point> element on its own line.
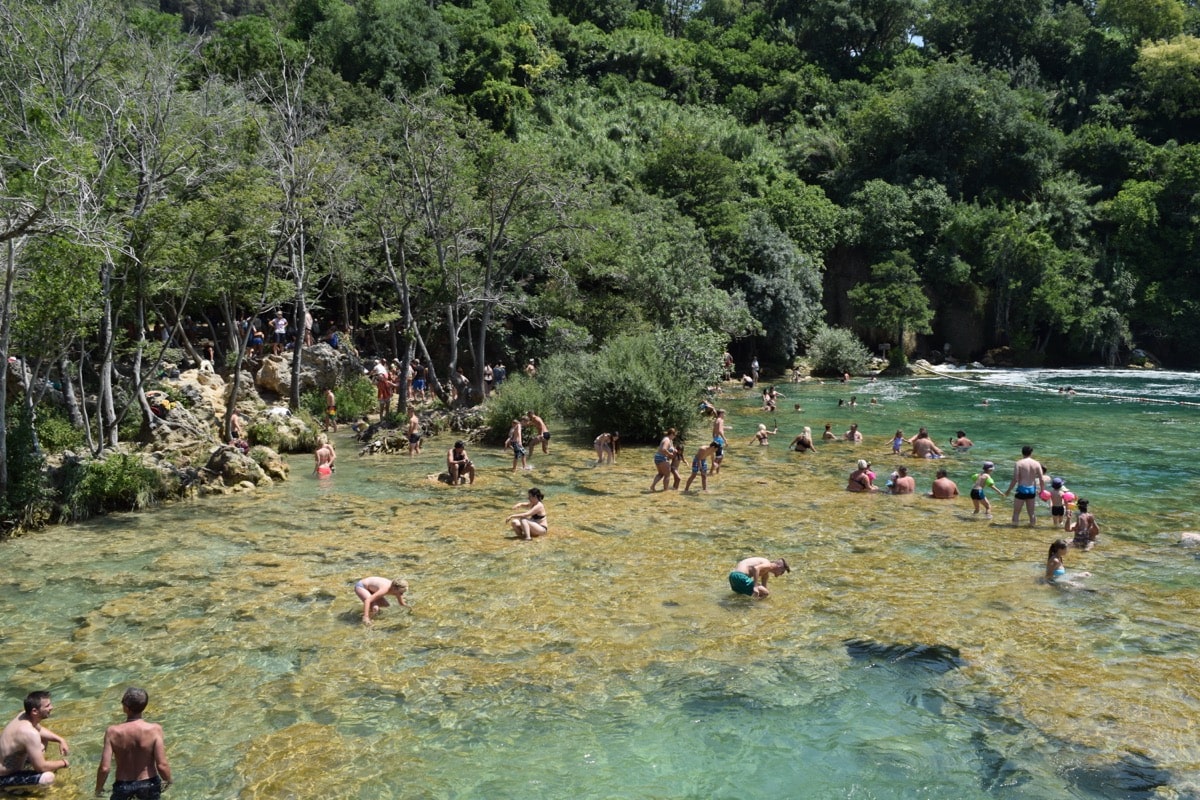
<point>137,746</point>
<point>18,742</point>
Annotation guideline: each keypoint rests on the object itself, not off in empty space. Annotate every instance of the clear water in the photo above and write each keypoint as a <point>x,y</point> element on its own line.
<point>911,653</point>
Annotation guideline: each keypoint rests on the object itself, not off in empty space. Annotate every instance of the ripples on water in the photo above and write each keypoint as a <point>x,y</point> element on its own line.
<point>911,652</point>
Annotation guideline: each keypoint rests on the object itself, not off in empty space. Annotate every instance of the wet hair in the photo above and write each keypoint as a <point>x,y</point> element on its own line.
<point>941,473</point>
<point>34,700</point>
<point>1027,450</point>
<point>135,699</point>
<point>1059,546</point>
<point>459,444</point>
<point>783,563</point>
<point>401,584</point>
<point>536,492</point>
<point>961,434</point>
<point>902,470</point>
<point>1082,505</point>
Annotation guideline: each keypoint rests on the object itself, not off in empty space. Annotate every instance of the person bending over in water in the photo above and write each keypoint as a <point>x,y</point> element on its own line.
<point>604,448</point>
<point>532,521</point>
<point>1056,572</point>
<point>700,463</point>
<point>1085,528</point>
<point>373,592</point>
<point>750,575</point>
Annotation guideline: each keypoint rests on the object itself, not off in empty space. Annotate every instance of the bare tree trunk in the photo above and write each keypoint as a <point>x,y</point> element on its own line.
<point>107,409</point>
<point>10,271</point>
<point>68,389</point>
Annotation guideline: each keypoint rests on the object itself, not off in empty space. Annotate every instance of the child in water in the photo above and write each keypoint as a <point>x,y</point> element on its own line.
<point>1085,528</point>
<point>1056,572</point>
<point>982,482</point>
<point>1058,504</point>
<point>897,442</point>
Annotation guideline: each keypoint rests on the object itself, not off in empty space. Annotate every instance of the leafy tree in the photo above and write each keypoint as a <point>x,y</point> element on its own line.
<point>893,300</point>
<point>1143,19</point>
<point>836,351</point>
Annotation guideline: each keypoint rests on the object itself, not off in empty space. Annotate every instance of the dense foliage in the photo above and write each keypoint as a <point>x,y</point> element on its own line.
<point>492,180</point>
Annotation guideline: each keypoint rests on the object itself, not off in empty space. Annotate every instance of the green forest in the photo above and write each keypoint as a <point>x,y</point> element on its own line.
<point>512,179</point>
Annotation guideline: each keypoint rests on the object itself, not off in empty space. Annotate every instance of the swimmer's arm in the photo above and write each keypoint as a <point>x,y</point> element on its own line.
<point>105,764</point>
<point>160,757</point>
<point>35,753</point>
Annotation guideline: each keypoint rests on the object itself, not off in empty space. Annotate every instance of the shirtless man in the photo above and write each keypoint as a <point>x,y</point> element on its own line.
<point>414,434</point>
<point>458,464</point>
<point>700,464</point>
<point>330,421</point>
<point>142,769</point>
<point>904,483</point>
<point>943,487</point>
<point>324,456</point>
<point>750,575</point>
<point>854,434</point>
<point>923,447</point>
<point>23,746</point>
<point>1028,478</point>
<point>718,438</point>
<point>961,443</point>
<point>543,431</point>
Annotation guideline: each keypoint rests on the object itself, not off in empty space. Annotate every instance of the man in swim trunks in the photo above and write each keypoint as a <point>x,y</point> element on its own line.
<point>1029,479</point>
<point>330,423</point>
<point>718,438</point>
<point>750,575</point>
<point>903,483</point>
<point>23,746</point>
<point>414,434</point>
<point>543,433</point>
<point>458,464</point>
<point>142,769</point>
<point>943,487</point>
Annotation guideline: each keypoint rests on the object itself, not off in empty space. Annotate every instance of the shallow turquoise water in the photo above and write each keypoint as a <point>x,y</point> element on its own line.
<point>610,660</point>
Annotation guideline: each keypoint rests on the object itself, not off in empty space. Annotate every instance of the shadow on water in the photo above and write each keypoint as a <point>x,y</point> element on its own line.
<point>935,658</point>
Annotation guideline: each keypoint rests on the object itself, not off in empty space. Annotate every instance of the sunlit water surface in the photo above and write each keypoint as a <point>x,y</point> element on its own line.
<point>912,652</point>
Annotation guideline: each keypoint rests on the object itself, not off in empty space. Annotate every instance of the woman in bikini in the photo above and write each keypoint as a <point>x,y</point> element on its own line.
<point>532,521</point>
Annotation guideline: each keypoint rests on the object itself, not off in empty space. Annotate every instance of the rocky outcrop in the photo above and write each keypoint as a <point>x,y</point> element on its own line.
<point>321,367</point>
<point>233,468</point>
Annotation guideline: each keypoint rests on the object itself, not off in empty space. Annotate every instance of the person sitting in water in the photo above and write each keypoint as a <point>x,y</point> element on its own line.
<point>531,522</point>
<point>1056,570</point>
<point>750,576</point>
<point>458,464</point>
<point>961,443</point>
<point>853,435</point>
<point>373,592</point>
<point>862,479</point>
<point>903,483</point>
<point>943,487</point>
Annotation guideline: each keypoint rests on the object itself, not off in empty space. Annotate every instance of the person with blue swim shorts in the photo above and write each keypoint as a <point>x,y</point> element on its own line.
<point>1029,480</point>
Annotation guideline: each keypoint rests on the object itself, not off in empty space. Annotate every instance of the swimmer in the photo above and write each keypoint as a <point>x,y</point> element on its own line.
<point>854,434</point>
<point>763,436</point>
<point>23,742</point>
<point>373,592</point>
<point>718,436</point>
<point>137,746</point>
<point>1056,571</point>
<point>324,457</point>
<point>923,446</point>
<point>982,481</point>
<point>862,479</point>
<point>943,487</point>
<point>532,521</point>
<point>700,464</point>
<point>961,443</point>
<point>604,448</point>
<point>1029,479</point>
<point>828,435</point>
<point>662,459</point>
<point>897,442</point>
<point>1085,529</point>
<point>1058,505</point>
<point>459,465</point>
<point>903,483</point>
<point>803,442</point>
<point>750,576</point>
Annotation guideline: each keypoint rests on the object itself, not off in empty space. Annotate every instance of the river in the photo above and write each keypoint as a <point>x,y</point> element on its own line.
<point>911,653</point>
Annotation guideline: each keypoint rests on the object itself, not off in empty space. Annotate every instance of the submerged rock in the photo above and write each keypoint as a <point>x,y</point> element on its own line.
<point>1132,776</point>
<point>934,657</point>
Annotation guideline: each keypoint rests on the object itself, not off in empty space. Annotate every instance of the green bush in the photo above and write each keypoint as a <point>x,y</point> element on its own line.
<point>516,395</point>
<point>118,483</point>
<point>354,399</point>
<point>263,433</point>
<point>633,385</point>
<point>55,432</point>
<point>834,351</point>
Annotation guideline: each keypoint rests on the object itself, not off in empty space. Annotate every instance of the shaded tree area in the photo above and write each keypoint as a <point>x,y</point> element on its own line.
<point>473,182</point>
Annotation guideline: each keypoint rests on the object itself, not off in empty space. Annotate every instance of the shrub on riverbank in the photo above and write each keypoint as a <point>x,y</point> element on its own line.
<point>834,351</point>
<point>354,399</point>
<point>121,482</point>
<point>515,396</point>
